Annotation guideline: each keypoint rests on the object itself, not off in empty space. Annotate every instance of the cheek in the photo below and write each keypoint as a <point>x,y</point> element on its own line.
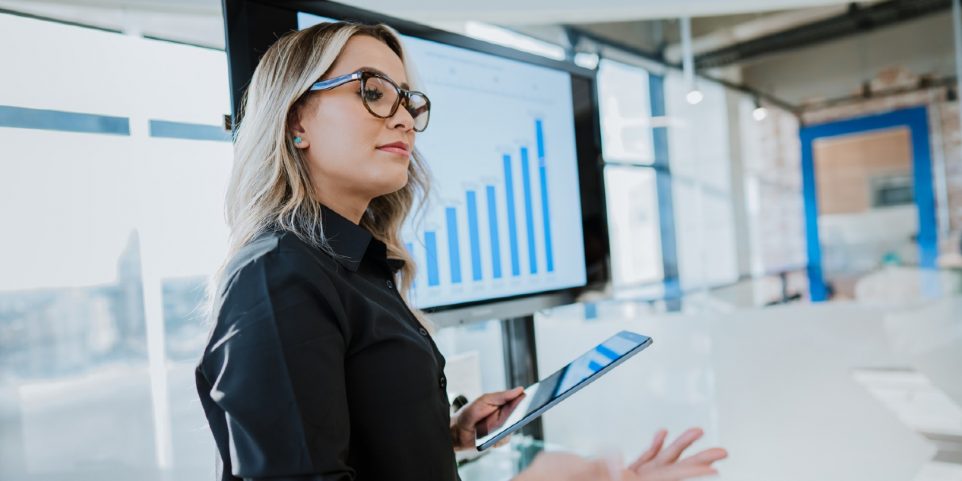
<point>341,145</point>
<point>342,151</point>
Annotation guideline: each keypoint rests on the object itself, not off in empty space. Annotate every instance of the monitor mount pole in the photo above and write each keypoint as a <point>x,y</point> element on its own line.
<point>521,361</point>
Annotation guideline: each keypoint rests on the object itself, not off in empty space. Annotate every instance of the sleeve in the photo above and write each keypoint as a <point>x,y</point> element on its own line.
<point>276,366</point>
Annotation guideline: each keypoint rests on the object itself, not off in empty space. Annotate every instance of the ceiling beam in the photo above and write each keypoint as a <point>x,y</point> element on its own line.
<point>576,34</point>
<point>854,21</point>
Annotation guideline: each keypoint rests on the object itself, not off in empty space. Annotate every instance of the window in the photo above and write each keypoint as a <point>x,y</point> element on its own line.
<point>700,157</point>
<point>633,223</point>
<point>114,173</point>
<point>630,179</point>
<point>625,107</point>
<point>773,189</point>
<point>474,358</point>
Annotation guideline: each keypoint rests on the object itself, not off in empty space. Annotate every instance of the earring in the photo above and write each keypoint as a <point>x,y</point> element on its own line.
<point>297,140</point>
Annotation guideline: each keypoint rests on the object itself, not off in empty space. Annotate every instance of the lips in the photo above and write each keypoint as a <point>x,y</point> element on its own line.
<point>399,148</point>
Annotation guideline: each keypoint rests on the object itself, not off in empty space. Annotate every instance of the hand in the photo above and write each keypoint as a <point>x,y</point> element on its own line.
<point>654,464</point>
<point>483,415</point>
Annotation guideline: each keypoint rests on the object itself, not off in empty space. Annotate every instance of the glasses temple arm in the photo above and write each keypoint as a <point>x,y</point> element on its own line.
<point>334,82</point>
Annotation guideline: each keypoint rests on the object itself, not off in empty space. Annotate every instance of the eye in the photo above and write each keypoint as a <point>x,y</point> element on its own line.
<point>371,94</point>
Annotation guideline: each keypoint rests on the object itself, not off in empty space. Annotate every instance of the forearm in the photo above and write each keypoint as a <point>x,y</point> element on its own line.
<point>462,439</point>
<point>453,430</point>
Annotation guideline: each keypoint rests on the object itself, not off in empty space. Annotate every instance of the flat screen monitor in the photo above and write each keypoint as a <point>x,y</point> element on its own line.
<point>515,220</point>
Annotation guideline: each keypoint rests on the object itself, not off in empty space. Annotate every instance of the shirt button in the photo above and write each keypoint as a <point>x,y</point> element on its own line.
<point>390,285</point>
<point>444,382</point>
<point>423,331</point>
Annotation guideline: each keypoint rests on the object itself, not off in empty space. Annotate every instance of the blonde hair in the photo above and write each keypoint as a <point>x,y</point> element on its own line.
<point>270,188</point>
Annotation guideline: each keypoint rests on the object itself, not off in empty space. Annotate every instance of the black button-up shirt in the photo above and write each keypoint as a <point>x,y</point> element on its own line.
<point>317,370</point>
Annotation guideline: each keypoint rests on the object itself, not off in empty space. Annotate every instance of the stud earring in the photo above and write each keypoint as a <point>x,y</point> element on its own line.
<point>297,140</point>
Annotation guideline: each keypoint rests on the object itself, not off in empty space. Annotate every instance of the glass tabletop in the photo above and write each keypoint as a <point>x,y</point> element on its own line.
<point>503,463</point>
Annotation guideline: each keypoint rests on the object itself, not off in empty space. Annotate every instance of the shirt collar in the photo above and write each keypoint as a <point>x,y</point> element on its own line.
<point>351,242</point>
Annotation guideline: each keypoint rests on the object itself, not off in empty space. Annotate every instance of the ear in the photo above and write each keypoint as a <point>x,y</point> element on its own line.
<point>295,128</point>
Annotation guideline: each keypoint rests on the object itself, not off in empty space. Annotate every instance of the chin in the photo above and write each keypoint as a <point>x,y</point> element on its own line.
<point>402,182</point>
<point>390,186</point>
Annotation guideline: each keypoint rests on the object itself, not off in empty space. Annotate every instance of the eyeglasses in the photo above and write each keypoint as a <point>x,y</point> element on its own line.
<point>381,96</point>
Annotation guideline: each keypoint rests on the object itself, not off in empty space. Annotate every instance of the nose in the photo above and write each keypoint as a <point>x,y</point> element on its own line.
<point>401,119</point>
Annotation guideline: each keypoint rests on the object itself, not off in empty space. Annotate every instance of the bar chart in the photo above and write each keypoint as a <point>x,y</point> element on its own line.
<point>501,151</point>
<point>494,194</point>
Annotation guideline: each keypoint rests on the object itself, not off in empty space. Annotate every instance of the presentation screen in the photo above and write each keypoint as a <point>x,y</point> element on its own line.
<point>512,150</point>
<point>501,151</point>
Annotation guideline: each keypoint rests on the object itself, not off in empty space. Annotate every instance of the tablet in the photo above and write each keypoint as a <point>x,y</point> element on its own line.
<point>542,395</point>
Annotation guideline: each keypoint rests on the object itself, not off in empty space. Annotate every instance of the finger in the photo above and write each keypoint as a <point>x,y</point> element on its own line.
<point>673,451</point>
<point>487,404</point>
<point>656,444</point>
<point>705,457</point>
<point>507,407</point>
<point>500,415</point>
<point>502,397</point>
<point>469,416</point>
<point>512,404</point>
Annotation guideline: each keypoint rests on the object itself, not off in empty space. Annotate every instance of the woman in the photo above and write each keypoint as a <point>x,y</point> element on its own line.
<point>316,368</point>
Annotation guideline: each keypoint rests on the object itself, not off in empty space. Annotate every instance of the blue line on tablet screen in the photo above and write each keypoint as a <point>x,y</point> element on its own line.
<point>605,351</point>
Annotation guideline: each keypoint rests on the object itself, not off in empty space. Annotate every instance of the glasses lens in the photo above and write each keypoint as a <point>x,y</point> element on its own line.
<point>420,109</point>
<point>379,96</point>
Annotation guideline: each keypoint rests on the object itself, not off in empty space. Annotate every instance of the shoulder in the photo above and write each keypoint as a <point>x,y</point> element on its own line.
<point>271,286</point>
<point>275,265</point>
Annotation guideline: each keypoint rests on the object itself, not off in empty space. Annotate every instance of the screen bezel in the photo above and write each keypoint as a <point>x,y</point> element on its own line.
<point>251,26</point>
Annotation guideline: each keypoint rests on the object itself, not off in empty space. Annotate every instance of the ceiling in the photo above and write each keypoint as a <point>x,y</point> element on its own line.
<point>499,11</point>
<point>575,11</point>
<point>647,27</point>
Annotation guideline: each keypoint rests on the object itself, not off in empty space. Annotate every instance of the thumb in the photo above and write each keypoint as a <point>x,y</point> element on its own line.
<point>487,404</point>
<point>502,397</point>
<point>498,399</point>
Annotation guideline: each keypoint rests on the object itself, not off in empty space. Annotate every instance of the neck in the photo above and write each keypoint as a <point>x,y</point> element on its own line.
<point>348,208</point>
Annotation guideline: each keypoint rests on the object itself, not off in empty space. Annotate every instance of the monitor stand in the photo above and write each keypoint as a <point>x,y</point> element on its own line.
<point>521,361</point>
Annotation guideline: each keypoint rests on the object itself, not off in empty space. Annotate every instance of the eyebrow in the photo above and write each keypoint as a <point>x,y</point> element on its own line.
<point>403,85</point>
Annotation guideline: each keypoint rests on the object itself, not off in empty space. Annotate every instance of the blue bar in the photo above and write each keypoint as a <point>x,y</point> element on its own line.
<point>58,120</point>
<point>539,134</point>
<point>529,215</point>
<point>594,366</point>
<point>545,211</point>
<point>591,311</point>
<point>512,227</point>
<point>186,130</point>
<point>410,249</point>
<point>454,251</point>
<point>431,246</point>
<point>607,352</point>
<point>666,216</point>
<point>495,237</point>
<point>473,233</point>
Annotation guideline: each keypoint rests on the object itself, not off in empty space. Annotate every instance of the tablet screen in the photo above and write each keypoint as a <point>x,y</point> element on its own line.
<point>578,373</point>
